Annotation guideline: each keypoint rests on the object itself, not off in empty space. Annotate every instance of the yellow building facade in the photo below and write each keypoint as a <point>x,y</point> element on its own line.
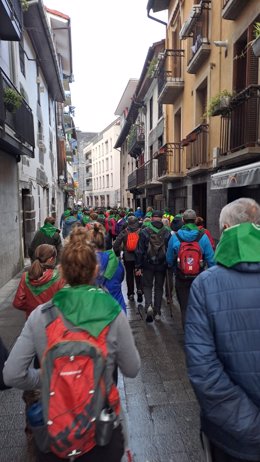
<point>208,83</point>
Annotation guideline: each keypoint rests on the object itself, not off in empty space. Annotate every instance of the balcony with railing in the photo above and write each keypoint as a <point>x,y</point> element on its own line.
<point>170,76</point>
<point>196,143</point>
<point>231,9</point>
<point>11,20</point>
<point>18,131</point>
<point>135,141</point>
<point>240,127</point>
<point>170,162</point>
<point>140,176</point>
<point>132,181</point>
<point>151,173</point>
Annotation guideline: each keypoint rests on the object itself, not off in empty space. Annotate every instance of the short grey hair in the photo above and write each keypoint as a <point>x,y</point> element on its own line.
<point>241,210</point>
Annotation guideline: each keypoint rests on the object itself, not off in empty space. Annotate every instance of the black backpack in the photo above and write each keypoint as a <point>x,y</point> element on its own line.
<point>156,252</point>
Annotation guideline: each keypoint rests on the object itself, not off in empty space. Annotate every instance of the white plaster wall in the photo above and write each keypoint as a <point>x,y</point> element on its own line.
<point>28,170</point>
<point>106,162</point>
<point>10,242</point>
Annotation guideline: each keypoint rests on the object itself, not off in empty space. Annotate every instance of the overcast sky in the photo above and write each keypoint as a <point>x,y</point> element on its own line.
<point>110,41</point>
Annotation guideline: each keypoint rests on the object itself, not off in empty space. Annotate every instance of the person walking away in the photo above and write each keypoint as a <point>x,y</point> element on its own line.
<point>168,215</point>
<point>151,262</point>
<point>200,223</point>
<point>127,241</point>
<point>149,212</point>
<point>177,221</point>
<point>40,282</point>
<point>85,217</point>
<point>138,213</point>
<point>47,234</point>
<point>121,224</point>
<point>111,271</point>
<point>110,225</point>
<point>70,221</point>
<point>87,316</point>
<point>188,251</point>
<point>64,215</point>
<point>222,337</point>
<point>37,285</point>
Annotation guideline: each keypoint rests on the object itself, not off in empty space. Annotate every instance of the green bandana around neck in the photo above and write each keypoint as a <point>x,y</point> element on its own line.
<point>112,264</point>
<point>87,307</point>
<point>190,227</point>
<point>49,230</point>
<point>38,290</point>
<point>239,244</point>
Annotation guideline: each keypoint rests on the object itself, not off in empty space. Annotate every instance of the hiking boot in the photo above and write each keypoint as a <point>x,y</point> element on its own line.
<point>139,297</point>
<point>131,298</point>
<point>149,314</point>
<point>157,317</point>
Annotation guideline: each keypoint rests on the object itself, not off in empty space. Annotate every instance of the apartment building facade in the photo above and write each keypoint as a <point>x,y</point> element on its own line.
<point>142,135</point>
<point>32,69</point>
<point>204,155</point>
<point>103,164</point>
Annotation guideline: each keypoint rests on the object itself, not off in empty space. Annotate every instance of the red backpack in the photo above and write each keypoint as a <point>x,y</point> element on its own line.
<point>74,390</point>
<point>190,257</point>
<point>132,240</point>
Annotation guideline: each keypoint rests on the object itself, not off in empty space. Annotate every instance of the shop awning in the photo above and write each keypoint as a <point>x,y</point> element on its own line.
<point>236,177</point>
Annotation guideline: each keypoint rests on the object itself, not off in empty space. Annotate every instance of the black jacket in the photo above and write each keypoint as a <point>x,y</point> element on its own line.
<point>141,259</point>
<point>120,242</point>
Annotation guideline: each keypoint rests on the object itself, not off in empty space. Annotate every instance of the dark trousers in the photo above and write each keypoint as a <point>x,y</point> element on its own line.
<point>153,277</point>
<point>113,452</point>
<point>182,287</point>
<point>132,279</point>
<point>220,456</point>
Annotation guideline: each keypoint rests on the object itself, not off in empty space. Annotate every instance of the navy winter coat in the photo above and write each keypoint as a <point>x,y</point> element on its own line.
<point>222,337</point>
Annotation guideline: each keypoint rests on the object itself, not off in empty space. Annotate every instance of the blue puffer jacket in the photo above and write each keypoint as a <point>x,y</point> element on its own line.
<point>189,236</point>
<point>114,285</point>
<point>222,337</point>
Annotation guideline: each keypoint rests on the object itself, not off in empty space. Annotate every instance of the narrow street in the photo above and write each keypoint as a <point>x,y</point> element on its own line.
<point>162,413</point>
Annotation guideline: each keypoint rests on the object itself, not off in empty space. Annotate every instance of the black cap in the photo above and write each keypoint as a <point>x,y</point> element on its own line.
<point>157,213</point>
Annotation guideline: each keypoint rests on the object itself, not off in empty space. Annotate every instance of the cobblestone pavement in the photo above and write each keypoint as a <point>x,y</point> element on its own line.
<point>162,413</point>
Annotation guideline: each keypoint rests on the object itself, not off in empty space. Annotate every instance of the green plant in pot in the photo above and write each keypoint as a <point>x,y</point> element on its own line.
<point>12,99</point>
<point>256,41</point>
<point>219,104</point>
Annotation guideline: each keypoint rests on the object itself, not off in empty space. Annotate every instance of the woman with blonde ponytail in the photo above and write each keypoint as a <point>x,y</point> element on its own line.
<point>40,282</point>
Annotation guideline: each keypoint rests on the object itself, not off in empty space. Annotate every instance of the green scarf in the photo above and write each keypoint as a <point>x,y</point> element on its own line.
<point>190,227</point>
<point>87,307</point>
<point>239,244</point>
<point>86,219</point>
<point>112,265</point>
<point>49,230</point>
<point>38,290</point>
<point>148,214</point>
<point>66,213</point>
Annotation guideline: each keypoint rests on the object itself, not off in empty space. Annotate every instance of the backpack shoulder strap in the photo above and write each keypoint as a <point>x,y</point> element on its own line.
<point>50,312</point>
<point>179,237</point>
<point>199,236</point>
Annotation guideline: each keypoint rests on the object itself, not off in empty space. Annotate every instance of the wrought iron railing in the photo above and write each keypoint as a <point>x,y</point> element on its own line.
<point>135,140</point>
<point>240,125</point>
<point>20,121</point>
<point>132,180</point>
<point>170,160</point>
<point>197,147</point>
<point>170,68</point>
<point>140,175</point>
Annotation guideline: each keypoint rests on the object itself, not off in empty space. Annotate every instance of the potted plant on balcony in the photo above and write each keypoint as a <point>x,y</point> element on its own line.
<point>12,99</point>
<point>219,104</point>
<point>256,41</point>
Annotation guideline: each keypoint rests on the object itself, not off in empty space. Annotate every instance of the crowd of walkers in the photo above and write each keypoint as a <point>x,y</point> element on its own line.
<point>77,334</point>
